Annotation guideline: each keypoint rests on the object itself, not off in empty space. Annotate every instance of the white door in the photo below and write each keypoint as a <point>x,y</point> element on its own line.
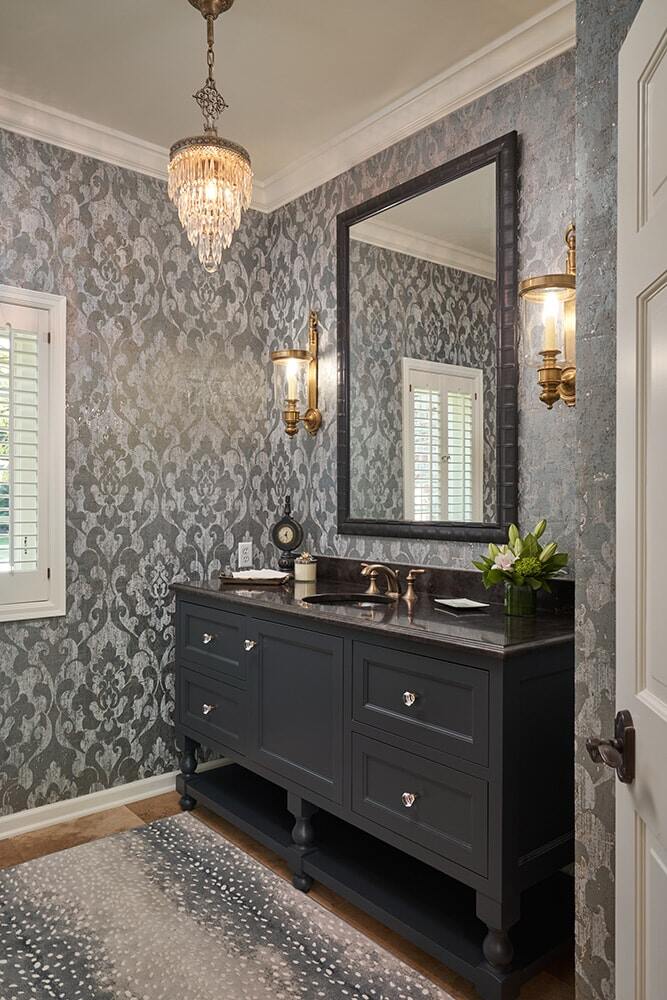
<point>641,608</point>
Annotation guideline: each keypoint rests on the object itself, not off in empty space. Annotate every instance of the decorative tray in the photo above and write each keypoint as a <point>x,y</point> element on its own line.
<point>262,578</point>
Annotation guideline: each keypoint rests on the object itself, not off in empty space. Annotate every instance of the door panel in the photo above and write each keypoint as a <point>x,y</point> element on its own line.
<point>641,626</point>
<point>440,704</point>
<point>214,639</point>
<point>298,706</point>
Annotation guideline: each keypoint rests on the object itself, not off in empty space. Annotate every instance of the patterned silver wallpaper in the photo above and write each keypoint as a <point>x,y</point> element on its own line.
<point>175,447</point>
<point>165,376</point>
<point>302,262</point>
<point>601,28</point>
<point>402,306</point>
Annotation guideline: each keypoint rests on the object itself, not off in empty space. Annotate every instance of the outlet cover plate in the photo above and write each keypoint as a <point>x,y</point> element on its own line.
<point>245,555</point>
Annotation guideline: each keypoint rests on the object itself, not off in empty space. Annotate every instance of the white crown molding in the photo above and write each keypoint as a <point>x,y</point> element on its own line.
<point>40,121</point>
<point>109,798</point>
<point>400,240</point>
<point>526,46</point>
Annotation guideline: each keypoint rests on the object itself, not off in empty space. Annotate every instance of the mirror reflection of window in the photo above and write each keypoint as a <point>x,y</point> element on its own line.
<point>442,441</point>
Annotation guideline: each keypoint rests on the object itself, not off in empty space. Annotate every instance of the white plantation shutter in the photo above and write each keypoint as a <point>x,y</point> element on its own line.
<point>19,450</point>
<point>460,466</point>
<point>31,455</point>
<point>427,443</point>
<point>442,445</point>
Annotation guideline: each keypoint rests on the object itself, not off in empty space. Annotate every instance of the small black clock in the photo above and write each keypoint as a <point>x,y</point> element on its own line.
<point>287,535</point>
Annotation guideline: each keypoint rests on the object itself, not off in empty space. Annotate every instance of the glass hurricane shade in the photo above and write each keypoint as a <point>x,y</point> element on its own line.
<point>290,370</point>
<point>210,182</point>
<point>549,320</point>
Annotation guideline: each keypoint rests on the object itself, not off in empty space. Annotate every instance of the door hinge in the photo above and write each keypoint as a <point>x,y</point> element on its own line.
<point>48,573</point>
<point>48,337</point>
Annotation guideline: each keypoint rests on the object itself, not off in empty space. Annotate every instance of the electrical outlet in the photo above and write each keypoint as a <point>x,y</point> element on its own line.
<point>245,555</point>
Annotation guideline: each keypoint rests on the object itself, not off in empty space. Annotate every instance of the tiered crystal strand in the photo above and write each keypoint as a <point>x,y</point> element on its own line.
<point>210,182</point>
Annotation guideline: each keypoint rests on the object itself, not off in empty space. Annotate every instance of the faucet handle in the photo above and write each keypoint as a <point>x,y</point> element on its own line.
<point>372,573</point>
<point>410,592</point>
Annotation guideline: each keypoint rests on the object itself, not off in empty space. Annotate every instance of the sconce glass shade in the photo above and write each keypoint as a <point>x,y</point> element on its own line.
<point>548,320</point>
<point>290,370</point>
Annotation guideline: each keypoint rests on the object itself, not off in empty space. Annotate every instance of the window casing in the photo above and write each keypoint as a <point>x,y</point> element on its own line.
<point>32,454</point>
<point>442,441</point>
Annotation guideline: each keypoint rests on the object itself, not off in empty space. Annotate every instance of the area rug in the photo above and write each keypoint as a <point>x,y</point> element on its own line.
<point>173,911</point>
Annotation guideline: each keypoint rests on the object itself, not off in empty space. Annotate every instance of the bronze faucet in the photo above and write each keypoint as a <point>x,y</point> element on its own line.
<point>373,570</point>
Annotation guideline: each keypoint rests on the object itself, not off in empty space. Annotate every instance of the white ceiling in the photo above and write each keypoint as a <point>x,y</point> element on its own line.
<point>296,73</point>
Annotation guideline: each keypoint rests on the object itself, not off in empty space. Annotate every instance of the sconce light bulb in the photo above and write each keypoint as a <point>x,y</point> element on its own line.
<point>551,306</point>
<point>292,371</point>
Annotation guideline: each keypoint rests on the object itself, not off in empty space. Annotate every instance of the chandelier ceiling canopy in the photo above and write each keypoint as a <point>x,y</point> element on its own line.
<point>210,178</point>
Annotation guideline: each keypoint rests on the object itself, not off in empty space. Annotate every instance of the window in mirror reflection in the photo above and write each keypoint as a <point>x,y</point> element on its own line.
<point>442,441</point>
<point>422,293</point>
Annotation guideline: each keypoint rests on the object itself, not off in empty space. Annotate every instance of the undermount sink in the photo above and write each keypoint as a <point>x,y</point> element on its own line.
<point>358,599</point>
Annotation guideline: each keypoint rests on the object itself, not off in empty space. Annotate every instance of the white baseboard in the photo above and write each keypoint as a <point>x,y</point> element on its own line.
<point>120,795</point>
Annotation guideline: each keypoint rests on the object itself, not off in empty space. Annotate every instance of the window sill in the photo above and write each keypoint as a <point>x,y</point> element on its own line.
<point>31,611</point>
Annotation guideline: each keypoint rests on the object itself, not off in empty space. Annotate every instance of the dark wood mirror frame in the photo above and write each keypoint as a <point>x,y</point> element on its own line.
<point>502,152</point>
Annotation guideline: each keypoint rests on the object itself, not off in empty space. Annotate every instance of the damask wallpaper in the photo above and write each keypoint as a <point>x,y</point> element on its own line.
<point>601,27</point>
<point>166,374</point>
<point>402,306</point>
<point>302,261</point>
<point>175,447</point>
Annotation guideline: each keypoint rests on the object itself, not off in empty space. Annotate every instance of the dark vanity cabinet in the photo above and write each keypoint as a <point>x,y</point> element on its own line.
<point>424,772</point>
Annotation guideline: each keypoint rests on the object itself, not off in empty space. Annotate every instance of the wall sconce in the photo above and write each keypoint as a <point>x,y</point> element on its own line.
<point>296,372</point>
<point>549,324</point>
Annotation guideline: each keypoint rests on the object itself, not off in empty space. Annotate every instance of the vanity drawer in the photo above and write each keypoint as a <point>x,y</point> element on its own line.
<point>215,710</point>
<point>434,702</point>
<point>444,810</point>
<point>213,639</point>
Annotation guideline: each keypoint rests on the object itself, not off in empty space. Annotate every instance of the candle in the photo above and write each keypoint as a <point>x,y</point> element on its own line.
<point>292,368</point>
<point>549,314</point>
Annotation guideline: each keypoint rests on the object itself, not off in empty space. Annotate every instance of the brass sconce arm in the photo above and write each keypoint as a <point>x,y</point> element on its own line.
<point>292,417</point>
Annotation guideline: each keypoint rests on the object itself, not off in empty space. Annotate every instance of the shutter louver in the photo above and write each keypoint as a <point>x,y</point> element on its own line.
<point>19,450</point>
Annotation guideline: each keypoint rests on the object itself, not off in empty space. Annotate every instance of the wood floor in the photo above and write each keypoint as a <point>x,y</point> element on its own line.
<point>556,983</point>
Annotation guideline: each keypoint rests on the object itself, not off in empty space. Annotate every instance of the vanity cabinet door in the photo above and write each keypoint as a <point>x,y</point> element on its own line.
<point>442,809</point>
<point>430,701</point>
<point>297,698</point>
<point>212,638</point>
<point>215,711</point>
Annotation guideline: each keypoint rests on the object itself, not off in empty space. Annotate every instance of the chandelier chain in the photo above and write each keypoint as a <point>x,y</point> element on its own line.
<point>208,97</point>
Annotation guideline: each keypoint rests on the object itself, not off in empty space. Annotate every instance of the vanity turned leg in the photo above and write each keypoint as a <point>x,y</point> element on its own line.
<point>303,837</point>
<point>499,917</point>
<point>498,949</point>
<point>188,768</point>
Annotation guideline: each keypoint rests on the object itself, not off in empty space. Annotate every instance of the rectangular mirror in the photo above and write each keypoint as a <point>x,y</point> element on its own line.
<point>426,353</point>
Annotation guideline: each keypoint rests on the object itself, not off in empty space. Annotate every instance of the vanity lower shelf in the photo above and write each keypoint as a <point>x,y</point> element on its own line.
<point>425,906</point>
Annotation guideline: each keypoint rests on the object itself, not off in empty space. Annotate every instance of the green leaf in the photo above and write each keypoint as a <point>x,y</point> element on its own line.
<point>494,576</point>
<point>546,586</point>
<point>559,560</point>
<point>530,546</point>
<point>534,583</point>
<point>480,565</point>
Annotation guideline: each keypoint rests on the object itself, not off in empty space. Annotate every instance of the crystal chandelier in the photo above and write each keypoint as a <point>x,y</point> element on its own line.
<point>210,178</point>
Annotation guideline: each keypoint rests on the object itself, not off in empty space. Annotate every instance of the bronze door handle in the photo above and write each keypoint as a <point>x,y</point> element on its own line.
<point>619,752</point>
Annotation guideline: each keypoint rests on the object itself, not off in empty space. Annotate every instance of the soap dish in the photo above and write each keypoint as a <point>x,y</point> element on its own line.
<point>459,604</point>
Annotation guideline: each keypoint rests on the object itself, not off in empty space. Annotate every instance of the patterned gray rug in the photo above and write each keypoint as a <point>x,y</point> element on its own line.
<point>172,911</point>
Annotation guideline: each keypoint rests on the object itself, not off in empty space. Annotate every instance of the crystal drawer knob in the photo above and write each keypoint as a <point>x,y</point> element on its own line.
<point>408,799</point>
<point>207,709</point>
<point>207,637</point>
<point>409,698</point>
<point>249,645</point>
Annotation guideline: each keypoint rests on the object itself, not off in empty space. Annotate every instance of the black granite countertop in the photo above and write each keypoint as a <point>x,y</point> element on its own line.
<point>491,631</point>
